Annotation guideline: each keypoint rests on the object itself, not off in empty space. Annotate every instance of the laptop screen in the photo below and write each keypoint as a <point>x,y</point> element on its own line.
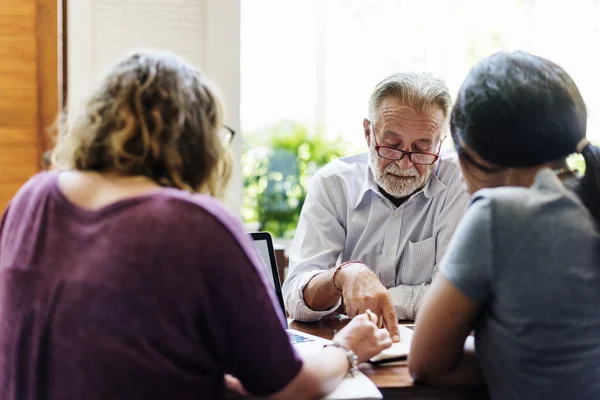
<point>263,251</point>
<point>264,245</point>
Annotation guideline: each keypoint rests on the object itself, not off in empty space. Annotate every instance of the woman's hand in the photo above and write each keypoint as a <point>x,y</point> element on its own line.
<point>363,337</point>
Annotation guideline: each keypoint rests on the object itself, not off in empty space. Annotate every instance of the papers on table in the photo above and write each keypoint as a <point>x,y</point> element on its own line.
<point>398,353</point>
<point>360,386</point>
<point>357,387</point>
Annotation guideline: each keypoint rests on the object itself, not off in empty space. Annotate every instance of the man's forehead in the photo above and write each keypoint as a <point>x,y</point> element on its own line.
<point>395,108</point>
<point>395,117</point>
<point>395,124</point>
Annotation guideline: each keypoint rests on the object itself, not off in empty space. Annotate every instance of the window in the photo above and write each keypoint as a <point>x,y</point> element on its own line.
<point>315,62</point>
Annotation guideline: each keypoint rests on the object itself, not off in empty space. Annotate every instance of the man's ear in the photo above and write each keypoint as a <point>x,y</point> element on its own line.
<point>367,129</point>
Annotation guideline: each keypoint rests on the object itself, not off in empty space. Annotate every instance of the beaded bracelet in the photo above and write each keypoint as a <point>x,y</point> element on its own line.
<point>350,355</point>
<point>339,268</point>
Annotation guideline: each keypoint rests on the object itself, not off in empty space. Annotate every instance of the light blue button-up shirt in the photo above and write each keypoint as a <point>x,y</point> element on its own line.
<point>345,217</point>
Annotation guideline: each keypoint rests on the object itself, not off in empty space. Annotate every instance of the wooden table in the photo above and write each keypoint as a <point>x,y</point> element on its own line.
<point>394,382</point>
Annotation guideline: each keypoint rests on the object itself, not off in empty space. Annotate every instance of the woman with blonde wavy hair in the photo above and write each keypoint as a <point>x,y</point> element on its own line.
<point>119,279</point>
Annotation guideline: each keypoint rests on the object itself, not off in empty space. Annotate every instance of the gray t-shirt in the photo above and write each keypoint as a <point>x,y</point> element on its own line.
<point>531,258</point>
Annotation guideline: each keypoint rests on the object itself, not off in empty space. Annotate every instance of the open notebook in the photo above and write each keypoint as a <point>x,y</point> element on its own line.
<point>398,353</point>
<point>356,387</point>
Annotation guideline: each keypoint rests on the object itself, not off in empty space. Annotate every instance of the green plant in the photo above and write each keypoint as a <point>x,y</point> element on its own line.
<point>577,162</point>
<point>277,163</point>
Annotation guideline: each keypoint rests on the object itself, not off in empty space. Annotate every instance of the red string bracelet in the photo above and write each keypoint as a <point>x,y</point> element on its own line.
<point>338,269</point>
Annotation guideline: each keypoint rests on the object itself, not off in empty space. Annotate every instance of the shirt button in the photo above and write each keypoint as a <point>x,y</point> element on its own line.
<point>389,253</point>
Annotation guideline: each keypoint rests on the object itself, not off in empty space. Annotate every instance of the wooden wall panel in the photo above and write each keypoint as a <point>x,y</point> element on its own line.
<point>19,162</point>
<point>10,136</point>
<point>47,68</point>
<point>28,88</point>
<point>15,17</point>
<point>7,191</point>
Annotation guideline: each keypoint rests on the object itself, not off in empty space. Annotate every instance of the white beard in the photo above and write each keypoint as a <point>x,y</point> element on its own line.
<point>389,178</point>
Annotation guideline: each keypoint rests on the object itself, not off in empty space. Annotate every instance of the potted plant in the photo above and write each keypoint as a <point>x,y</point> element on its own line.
<point>277,164</point>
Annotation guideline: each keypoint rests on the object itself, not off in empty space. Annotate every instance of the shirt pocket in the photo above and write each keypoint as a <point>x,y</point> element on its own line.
<point>418,262</point>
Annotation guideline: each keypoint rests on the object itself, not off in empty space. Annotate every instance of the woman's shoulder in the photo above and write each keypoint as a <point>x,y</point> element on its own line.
<point>200,214</point>
<point>201,205</point>
<point>511,204</point>
<point>38,185</point>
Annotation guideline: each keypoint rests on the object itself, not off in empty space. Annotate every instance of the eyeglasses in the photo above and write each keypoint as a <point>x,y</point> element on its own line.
<point>227,133</point>
<point>416,157</point>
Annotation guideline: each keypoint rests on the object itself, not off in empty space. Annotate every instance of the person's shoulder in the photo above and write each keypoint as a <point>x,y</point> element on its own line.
<point>43,179</point>
<point>506,204</point>
<point>448,170</point>
<point>195,205</point>
<point>349,166</point>
<point>341,177</point>
<point>36,186</point>
<point>545,187</point>
<point>199,212</point>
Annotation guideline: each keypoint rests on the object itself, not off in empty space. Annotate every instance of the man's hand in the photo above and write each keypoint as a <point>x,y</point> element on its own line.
<point>362,290</point>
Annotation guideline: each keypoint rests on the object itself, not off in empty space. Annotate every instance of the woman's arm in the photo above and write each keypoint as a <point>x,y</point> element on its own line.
<point>439,354</point>
<point>322,372</point>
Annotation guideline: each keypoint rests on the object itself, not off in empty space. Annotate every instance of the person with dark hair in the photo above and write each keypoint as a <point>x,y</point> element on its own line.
<point>523,269</point>
<point>120,280</point>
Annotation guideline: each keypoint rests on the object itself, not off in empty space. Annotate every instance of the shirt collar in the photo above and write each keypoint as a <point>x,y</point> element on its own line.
<point>433,187</point>
<point>368,184</point>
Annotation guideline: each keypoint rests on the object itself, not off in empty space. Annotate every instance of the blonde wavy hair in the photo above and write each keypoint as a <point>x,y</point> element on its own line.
<point>153,115</point>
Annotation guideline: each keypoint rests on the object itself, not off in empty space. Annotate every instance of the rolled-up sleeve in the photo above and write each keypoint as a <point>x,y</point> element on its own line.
<point>298,309</point>
<point>318,241</point>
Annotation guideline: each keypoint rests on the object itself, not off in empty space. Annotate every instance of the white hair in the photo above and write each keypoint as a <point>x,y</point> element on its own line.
<point>416,90</point>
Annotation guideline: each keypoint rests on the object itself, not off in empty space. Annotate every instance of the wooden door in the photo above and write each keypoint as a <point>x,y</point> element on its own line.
<point>29,82</point>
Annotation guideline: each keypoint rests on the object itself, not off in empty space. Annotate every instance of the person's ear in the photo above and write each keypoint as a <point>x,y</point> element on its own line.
<point>367,129</point>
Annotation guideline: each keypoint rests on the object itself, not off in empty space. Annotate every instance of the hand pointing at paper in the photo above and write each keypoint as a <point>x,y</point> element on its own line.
<point>361,291</point>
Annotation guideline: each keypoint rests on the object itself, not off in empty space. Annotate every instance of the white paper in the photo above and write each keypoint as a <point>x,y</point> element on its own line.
<point>356,387</point>
<point>399,349</point>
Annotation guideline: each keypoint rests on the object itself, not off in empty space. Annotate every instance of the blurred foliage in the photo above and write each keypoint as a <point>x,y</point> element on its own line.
<point>277,164</point>
<point>577,162</point>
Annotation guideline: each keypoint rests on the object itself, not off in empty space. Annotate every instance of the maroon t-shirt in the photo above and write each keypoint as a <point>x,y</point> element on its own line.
<point>153,297</point>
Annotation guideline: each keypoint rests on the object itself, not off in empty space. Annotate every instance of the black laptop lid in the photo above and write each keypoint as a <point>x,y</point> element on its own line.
<point>264,245</point>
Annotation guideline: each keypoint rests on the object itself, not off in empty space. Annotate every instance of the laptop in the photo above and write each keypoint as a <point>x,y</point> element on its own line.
<point>304,343</point>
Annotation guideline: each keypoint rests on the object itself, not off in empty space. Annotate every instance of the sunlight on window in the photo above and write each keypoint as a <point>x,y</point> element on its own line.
<point>315,62</point>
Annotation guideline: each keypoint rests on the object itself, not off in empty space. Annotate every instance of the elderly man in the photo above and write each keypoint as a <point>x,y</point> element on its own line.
<point>375,226</point>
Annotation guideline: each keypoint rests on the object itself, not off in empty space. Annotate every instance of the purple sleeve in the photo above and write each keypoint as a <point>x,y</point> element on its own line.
<point>244,321</point>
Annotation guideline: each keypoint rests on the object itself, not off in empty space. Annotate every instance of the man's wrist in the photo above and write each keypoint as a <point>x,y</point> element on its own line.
<point>348,271</point>
<point>337,282</point>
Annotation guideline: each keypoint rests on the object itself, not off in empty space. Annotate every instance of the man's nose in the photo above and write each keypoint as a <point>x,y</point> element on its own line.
<point>404,162</point>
